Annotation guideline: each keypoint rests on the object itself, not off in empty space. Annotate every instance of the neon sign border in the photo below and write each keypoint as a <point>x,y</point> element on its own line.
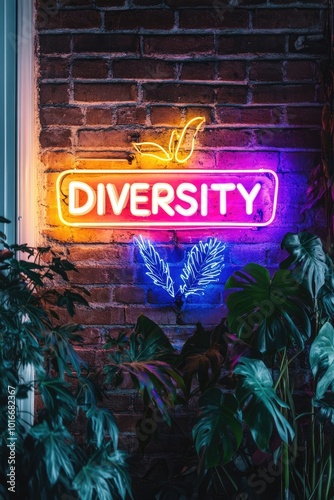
<point>163,225</point>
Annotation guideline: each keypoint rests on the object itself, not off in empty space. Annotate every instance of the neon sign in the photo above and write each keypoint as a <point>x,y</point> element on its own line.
<point>167,198</point>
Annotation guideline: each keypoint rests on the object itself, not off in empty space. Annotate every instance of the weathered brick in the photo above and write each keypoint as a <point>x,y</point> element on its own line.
<point>98,92</point>
<point>133,19</point>
<point>91,336</point>
<point>129,295</point>
<point>283,93</point>
<point>266,71</point>
<point>98,116</point>
<point>90,68</point>
<point>54,67</point>
<point>103,138</point>
<point>55,138</point>
<point>53,93</point>
<point>61,116</point>
<point>298,161</point>
<point>127,115</point>
<point>165,115</point>
<point>160,315</point>
<point>288,138</point>
<point>197,71</point>
<point>102,295</point>
<point>143,69</point>
<point>71,19</point>
<point>75,3</point>
<point>106,253</point>
<point>304,115</point>
<point>300,70</point>
<point>252,115</point>
<point>232,70</point>
<point>194,111</point>
<point>100,316</point>
<point>287,19</point>
<point>214,18</point>
<point>232,94</point>
<point>58,160</point>
<point>247,159</point>
<point>220,138</point>
<point>178,93</point>
<point>251,44</point>
<point>106,43</point>
<point>106,3</point>
<point>55,44</point>
<point>188,45</point>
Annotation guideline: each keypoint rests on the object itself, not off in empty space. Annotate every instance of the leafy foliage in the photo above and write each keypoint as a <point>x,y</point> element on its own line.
<point>48,459</point>
<point>218,432</point>
<point>261,405</point>
<point>322,360</point>
<point>266,313</point>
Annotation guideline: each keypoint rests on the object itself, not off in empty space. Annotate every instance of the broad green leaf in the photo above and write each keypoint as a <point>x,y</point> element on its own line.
<point>322,359</point>
<point>147,329</point>
<point>268,313</point>
<point>103,477</point>
<point>59,453</point>
<point>101,423</point>
<point>326,294</point>
<point>57,398</point>
<point>307,258</point>
<point>218,432</point>
<point>325,406</point>
<point>261,407</point>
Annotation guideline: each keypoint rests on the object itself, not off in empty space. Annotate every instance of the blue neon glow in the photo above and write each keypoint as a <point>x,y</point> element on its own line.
<point>204,264</point>
<point>158,270</point>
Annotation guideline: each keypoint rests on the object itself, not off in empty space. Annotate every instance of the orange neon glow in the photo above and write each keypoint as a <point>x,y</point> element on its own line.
<point>175,143</point>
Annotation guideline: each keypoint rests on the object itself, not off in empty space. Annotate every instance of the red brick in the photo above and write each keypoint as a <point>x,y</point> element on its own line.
<point>75,3</point>
<point>251,44</point>
<point>55,44</point>
<point>288,138</point>
<point>132,19</point>
<point>189,45</point>
<point>232,94</point>
<point>283,93</point>
<point>178,93</point>
<point>71,19</point>
<point>90,68</point>
<point>53,93</point>
<point>286,18</point>
<point>98,92</point>
<point>217,5</point>
<point>108,253</point>
<point>303,44</point>
<point>165,115</point>
<point>106,3</point>
<point>267,71</point>
<point>160,315</point>
<point>298,162</point>
<point>232,70</point>
<point>247,159</point>
<point>143,69</point>
<point>300,70</point>
<point>61,116</point>
<point>90,276</point>
<point>91,336</point>
<point>99,116</point>
<point>220,138</point>
<point>193,112</point>
<point>198,71</point>
<point>252,115</point>
<point>107,43</point>
<point>55,138</point>
<point>58,160</point>
<point>120,402</point>
<point>129,295</point>
<point>128,115</point>
<point>54,67</point>
<point>194,314</point>
<point>100,295</point>
<point>304,115</point>
<point>101,316</point>
<point>224,18</point>
<point>103,138</point>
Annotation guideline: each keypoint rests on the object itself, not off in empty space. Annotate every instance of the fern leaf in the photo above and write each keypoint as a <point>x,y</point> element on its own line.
<point>158,270</point>
<point>204,264</point>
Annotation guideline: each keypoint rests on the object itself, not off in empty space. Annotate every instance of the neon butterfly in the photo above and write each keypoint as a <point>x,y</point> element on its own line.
<point>175,143</point>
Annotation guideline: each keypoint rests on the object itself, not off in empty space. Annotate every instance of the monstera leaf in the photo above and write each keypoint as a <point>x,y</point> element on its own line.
<point>218,432</point>
<point>307,258</point>
<point>326,296</point>
<point>325,406</point>
<point>266,313</point>
<point>261,406</point>
<point>322,360</point>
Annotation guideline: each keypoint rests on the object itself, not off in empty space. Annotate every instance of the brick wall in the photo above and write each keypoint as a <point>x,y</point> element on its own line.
<point>109,71</point>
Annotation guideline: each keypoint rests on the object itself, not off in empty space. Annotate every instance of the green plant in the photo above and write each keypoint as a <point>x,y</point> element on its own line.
<point>244,372</point>
<point>44,459</point>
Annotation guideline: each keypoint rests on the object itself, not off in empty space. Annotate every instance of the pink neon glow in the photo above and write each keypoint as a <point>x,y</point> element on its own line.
<point>168,198</point>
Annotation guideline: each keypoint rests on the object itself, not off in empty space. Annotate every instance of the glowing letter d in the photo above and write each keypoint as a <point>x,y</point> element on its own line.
<point>73,198</point>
